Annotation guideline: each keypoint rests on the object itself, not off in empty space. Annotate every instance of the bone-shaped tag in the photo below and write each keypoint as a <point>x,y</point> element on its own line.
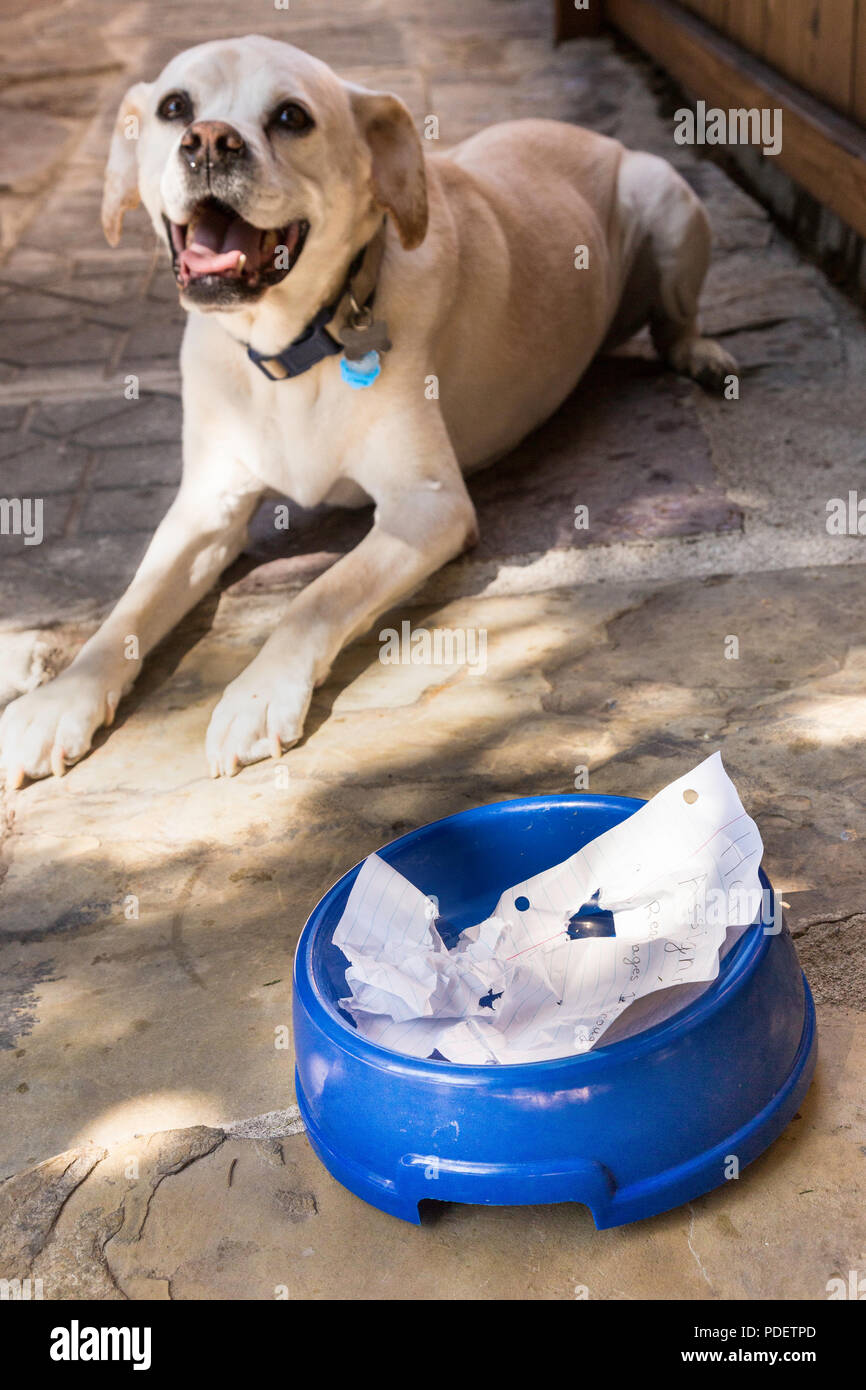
<point>358,341</point>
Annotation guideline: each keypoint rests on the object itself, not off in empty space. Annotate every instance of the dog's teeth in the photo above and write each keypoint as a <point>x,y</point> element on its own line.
<point>242,260</point>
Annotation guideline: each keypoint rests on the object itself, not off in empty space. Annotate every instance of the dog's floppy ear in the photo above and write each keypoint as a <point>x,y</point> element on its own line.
<point>120,191</point>
<point>399,181</point>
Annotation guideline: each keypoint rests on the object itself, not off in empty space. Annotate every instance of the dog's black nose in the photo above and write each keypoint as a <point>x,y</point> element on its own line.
<point>214,143</point>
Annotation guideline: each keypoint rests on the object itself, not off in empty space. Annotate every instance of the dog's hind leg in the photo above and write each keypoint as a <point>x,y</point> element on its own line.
<point>675,238</point>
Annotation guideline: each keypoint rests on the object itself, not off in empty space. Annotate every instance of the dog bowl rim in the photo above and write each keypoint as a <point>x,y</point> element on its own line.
<point>738,965</point>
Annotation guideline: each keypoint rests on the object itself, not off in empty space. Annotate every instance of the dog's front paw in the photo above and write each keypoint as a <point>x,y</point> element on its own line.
<point>258,716</point>
<point>53,726</point>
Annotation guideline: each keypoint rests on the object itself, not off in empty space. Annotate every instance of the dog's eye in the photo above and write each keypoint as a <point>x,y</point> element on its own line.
<point>176,106</point>
<point>292,117</point>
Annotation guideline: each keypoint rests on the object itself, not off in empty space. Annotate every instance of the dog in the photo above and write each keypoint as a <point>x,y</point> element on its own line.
<point>365,324</point>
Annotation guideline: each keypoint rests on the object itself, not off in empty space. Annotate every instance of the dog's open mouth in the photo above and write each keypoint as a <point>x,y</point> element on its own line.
<point>218,247</point>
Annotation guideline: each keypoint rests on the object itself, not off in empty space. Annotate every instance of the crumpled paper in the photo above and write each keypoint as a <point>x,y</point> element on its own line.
<point>673,885</point>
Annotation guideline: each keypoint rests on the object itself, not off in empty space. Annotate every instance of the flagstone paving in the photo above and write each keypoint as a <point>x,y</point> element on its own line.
<point>148,915</point>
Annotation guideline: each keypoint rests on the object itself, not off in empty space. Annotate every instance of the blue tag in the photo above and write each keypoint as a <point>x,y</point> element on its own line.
<point>361,373</point>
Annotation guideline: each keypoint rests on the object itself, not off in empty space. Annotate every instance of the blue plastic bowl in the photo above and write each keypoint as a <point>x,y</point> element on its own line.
<point>631,1128</point>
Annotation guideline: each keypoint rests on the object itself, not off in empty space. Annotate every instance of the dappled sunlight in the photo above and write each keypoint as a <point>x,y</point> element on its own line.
<point>152,913</point>
<point>830,721</point>
<point>147,1114</point>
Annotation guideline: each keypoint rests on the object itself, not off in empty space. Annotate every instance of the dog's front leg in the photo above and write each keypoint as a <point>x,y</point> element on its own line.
<point>52,726</point>
<point>423,518</point>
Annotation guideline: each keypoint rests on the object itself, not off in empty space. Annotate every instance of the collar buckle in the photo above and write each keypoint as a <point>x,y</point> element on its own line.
<point>314,344</point>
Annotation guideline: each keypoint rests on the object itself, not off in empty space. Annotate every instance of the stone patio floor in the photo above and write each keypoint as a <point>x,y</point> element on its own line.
<point>153,1039</point>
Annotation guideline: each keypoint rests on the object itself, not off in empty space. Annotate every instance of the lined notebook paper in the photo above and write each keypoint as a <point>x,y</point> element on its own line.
<point>672,885</point>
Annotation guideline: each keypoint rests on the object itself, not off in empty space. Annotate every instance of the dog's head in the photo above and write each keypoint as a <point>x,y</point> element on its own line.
<point>250,157</point>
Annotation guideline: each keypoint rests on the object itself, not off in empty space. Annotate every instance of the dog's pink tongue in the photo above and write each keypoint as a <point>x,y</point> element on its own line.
<point>201,260</point>
<point>219,241</point>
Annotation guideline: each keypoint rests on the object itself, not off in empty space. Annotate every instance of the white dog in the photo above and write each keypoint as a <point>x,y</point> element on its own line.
<point>302,217</point>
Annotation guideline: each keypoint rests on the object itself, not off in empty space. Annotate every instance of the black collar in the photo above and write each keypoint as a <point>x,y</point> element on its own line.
<point>315,343</point>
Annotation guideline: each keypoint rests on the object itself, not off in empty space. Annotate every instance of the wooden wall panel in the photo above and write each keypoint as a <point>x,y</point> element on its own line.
<point>823,150</point>
<point>713,11</point>
<point>569,23</point>
<point>811,41</point>
<point>858,65</point>
<point>747,22</point>
<point>819,44</point>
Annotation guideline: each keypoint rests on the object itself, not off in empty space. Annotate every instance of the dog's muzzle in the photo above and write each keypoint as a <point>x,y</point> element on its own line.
<point>219,258</point>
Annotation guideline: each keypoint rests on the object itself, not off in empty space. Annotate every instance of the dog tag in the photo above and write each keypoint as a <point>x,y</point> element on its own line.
<point>360,372</point>
<point>359,339</point>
